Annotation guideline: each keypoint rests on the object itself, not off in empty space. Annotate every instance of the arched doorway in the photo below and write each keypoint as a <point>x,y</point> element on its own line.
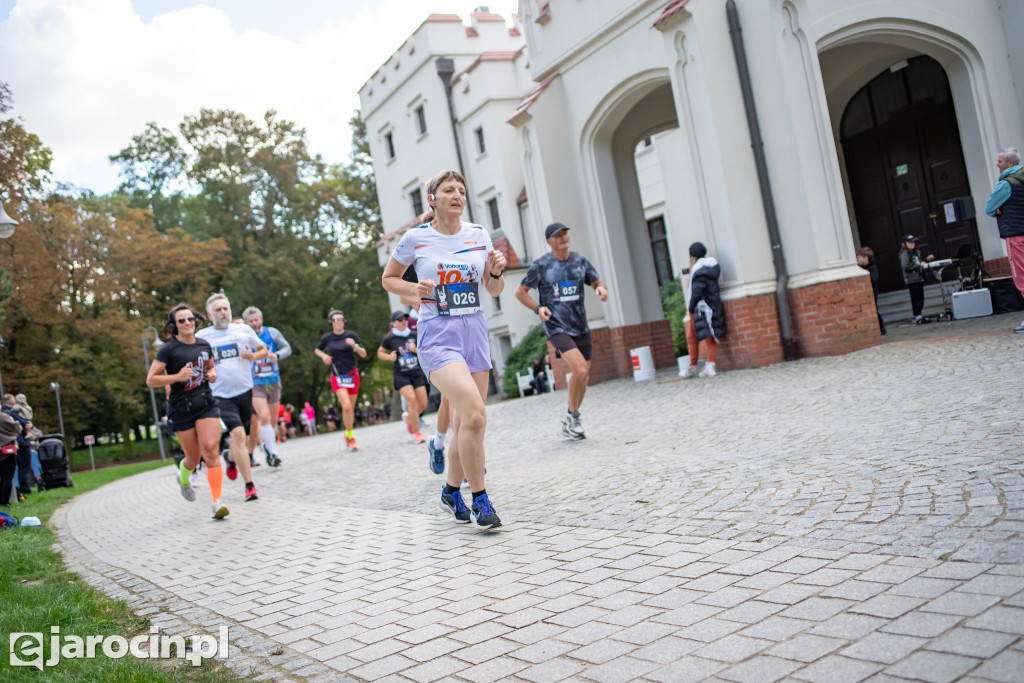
<point>904,158</point>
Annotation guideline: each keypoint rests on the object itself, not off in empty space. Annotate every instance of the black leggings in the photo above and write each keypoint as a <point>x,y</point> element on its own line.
<point>916,297</point>
<point>7,478</point>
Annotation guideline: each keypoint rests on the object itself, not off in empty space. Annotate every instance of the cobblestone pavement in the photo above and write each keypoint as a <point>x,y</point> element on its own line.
<point>834,519</point>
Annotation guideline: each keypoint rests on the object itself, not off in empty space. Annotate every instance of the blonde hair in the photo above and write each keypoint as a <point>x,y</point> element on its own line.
<point>441,177</point>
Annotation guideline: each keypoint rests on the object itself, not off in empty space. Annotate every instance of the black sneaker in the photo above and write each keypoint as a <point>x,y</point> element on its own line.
<point>484,514</point>
<point>452,504</point>
<point>436,457</point>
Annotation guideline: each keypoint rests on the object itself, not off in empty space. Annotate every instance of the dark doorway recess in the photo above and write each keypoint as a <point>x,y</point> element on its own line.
<point>903,161</point>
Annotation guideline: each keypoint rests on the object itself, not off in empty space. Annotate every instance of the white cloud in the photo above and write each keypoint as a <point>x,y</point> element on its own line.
<point>88,74</point>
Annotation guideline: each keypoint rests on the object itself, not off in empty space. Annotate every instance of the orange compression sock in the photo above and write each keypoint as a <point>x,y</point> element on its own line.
<point>215,475</point>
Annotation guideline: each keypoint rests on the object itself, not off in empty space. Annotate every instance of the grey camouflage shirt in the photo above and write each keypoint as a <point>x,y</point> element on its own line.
<point>560,285</point>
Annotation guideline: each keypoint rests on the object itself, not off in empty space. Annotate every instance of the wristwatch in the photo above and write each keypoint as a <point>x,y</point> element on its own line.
<point>536,309</point>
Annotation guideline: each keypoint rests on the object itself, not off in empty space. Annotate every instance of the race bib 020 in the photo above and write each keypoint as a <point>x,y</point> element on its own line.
<point>458,298</point>
<point>567,290</point>
<point>226,352</point>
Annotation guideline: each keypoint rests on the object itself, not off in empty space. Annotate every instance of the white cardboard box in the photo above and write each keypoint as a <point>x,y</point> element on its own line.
<point>972,304</point>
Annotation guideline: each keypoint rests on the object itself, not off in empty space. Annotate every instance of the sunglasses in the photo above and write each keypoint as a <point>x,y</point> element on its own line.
<point>182,321</point>
<point>403,318</point>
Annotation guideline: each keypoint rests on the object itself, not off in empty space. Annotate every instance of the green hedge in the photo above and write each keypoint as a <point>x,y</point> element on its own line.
<point>520,359</point>
<point>674,304</point>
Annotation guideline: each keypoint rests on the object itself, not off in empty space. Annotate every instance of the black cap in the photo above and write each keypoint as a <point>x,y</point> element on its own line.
<point>698,250</point>
<point>909,238</point>
<point>397,315</point>
<point>553,229</point>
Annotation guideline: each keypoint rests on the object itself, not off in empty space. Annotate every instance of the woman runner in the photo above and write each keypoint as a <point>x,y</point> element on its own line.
<point>185,363</point>
<point>399,347</point>
<point>454,261</point>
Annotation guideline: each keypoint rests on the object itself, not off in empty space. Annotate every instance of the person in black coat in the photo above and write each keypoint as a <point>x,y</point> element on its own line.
<point>707,315</point>
<point>866,260</point>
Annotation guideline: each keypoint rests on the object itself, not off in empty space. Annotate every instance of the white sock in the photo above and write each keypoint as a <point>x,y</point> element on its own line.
<point>267,432</point>
<point>438,440</point>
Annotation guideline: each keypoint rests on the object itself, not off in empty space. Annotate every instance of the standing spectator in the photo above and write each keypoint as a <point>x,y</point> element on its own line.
<point>309,417</point>
<point>330,418</point>
<point>9,430</point>
<point>24,457</point>
<point>22,407</point>
<point>866,260</point>
<point>707,315</point>
<point>1006,204</point>
<point>34,437</point>
<point>913,274</point>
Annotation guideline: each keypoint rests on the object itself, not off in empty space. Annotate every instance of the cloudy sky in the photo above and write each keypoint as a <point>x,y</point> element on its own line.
<point>86,75</point>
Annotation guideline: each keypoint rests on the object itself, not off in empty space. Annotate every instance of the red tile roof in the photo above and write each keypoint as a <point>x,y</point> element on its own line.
<point>490,56</point>
<point>488,16</point>
<point>511,260</point>
<point>444,17</point>
<point>531,97</point>
<point>672,8</point>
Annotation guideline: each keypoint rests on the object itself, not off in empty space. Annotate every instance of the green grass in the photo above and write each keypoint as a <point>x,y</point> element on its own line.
<point>36,592</point>
<point>106,455</point>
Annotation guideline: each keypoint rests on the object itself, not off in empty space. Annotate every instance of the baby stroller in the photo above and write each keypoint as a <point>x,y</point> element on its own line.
<point>53,459</point>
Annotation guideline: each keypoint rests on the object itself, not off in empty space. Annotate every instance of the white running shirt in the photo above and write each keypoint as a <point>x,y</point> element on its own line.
<point>234,373</point>
<point>445,259</point>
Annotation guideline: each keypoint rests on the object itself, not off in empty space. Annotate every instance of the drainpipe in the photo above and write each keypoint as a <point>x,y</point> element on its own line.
<point>789,349</point>
<point>446,69</point>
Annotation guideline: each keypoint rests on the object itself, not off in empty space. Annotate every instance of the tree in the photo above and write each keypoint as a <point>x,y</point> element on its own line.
<point>24,161</point>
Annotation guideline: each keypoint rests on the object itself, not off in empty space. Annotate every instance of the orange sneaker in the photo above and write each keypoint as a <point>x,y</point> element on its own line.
<point>350,443</point>
<point>418,438</point>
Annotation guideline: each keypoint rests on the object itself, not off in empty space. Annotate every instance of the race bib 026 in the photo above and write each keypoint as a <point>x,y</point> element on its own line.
<point>458,298</point>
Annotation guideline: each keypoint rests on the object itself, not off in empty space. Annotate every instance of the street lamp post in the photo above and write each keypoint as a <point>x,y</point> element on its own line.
<point>7,226</point>
<point>152,397</point>
<point>55,386</point>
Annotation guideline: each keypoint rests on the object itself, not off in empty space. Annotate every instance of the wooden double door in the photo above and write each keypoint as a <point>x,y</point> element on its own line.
<point>901,174</point>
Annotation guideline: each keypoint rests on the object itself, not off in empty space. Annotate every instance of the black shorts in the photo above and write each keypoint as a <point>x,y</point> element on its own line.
<point>236,411</point>
<point>415,381</point>
<point>563,342</point>
<point>183,413</point>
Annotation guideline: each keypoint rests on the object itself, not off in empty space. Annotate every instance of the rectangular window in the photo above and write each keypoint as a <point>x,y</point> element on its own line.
<point>417,202</point>
<point>421,120</point>
<point>492,209</point>
<point>389,144</point>
<point>479,135</point>
<point>659,249</point>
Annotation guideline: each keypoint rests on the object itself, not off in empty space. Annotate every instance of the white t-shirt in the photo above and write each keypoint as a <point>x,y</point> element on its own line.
<point>234,373</point>
<point>445,259</point>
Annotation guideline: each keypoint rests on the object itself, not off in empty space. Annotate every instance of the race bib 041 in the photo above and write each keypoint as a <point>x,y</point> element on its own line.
<point>458,298</point>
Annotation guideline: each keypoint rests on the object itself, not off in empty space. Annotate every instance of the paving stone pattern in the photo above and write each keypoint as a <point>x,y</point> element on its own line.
<point>837,519</point>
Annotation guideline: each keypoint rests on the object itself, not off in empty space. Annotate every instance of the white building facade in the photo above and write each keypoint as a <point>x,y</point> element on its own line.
<point>873,115</point>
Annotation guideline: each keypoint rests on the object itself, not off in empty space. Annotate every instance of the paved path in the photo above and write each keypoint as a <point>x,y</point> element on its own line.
<point>833,519</point>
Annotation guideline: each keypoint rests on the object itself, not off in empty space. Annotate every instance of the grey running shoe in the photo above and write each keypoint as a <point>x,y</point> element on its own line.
<point>1019,328</point>
<point>220,510</point>
<point>187,492</point>
<point>575,427</point>
<point>566,424</point>
<point>436,462</point>
<point>484,514</point>
<point>452,504</point>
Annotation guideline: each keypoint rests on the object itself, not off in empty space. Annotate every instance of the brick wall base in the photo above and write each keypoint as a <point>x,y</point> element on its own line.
<point>828,319</point>
<point>997,267</point>
<point>611,358</point>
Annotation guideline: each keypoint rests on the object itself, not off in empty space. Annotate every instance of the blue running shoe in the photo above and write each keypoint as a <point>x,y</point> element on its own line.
<point>436,457</point>
<point>484,514</point>
<point>452,503</point>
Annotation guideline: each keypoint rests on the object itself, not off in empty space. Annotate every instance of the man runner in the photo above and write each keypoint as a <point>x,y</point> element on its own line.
<point>266,379</point>
<point>559,278</point>
<point>234,348</point>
